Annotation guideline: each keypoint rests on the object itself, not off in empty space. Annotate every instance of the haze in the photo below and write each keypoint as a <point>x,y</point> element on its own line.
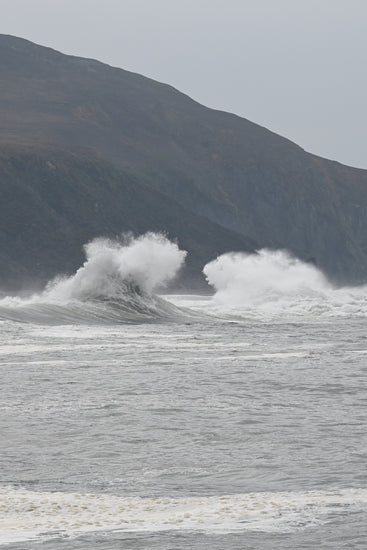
<point>296,67</point>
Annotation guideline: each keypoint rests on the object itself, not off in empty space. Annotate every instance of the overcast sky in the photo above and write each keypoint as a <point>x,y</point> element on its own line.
<point>297,67</point>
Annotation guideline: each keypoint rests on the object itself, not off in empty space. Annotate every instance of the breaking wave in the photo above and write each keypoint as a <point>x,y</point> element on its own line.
<point>273,285</point>
<point>117,283</point>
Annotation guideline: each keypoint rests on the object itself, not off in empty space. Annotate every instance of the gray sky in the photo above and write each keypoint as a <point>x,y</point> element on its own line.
<point>297,67</point>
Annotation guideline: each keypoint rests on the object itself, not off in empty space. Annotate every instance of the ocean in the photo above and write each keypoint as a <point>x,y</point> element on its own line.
<point>135,420</point>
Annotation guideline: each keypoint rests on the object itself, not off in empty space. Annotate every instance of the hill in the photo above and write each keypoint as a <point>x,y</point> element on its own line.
<point>53,201</point>
<point>217,166</point>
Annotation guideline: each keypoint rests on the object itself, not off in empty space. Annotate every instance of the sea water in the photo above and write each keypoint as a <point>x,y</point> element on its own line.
<point>230,421</point>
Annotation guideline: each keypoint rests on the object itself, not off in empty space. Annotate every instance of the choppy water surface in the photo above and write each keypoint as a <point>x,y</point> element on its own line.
<point>184,435</point>
<point>236,421</point>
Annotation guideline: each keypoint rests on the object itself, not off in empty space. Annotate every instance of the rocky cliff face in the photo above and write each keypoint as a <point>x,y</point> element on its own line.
<point>215,165</point>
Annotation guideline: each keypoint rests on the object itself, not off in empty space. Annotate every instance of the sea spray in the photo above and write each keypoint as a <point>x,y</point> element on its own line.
<point>274,284</point>
<point>117,283</point>
<point>239,276</point>
<point>143,264</point>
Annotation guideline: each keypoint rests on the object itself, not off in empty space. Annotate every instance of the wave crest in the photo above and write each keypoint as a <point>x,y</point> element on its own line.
<point>116,283</point>
<point>140,264</point>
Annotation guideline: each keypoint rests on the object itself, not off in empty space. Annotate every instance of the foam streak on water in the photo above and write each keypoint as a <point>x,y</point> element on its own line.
<point>25,514</point>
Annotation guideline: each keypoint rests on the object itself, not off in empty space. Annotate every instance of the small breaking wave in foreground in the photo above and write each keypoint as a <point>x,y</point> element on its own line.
<point>29,515</point>
<point>116,284</point>
<point>273,285</point>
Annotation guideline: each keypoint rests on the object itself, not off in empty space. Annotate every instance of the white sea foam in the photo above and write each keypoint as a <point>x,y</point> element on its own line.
<point>273,284</point>
<point>28,515</point>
